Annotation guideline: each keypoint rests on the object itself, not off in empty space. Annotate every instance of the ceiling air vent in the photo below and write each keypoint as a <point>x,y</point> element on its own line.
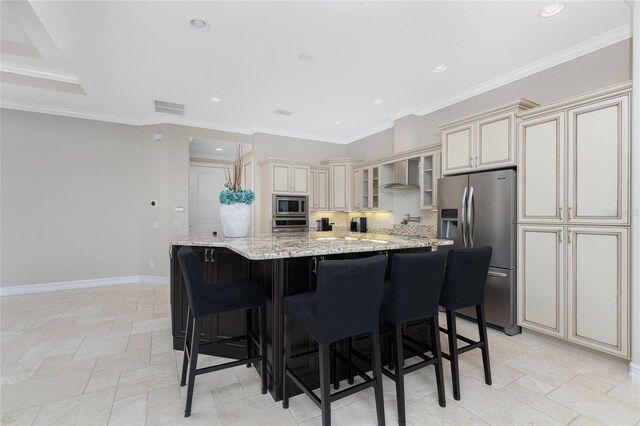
<point>169,107</point>
<point>283,112</point>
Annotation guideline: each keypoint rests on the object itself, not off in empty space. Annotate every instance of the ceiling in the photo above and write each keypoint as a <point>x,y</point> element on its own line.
<point>111,59</point>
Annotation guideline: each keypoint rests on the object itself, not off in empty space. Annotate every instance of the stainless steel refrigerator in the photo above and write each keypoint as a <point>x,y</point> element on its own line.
<point>479,209</point>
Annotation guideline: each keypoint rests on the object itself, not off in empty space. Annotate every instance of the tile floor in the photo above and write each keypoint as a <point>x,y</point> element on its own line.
<point>103,356</point>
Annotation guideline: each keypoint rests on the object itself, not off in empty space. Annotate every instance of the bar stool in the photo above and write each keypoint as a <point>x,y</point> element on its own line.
<point>346,303</point>
<point>413,294</point>
<point>205,300</point>
<point>464,281</point>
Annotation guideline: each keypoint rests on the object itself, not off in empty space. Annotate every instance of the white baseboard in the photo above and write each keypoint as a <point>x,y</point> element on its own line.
<point>634,372</point>
<point>70,285</point>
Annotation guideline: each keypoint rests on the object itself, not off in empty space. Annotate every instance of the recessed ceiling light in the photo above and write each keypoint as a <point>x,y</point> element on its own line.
<point>215,99</point>
<point>377,101</point>
<point>199,25</point>
<point>337,122</point>
<point>305,57</point>
<point>551,10</point>
<point>439,68</point>
<point>218,149</point>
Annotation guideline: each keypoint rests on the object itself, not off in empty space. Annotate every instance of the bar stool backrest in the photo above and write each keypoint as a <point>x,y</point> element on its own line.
<point>416,282</point>
<point>349,294</point>
<point>193,278</point>
<point>465,277</point>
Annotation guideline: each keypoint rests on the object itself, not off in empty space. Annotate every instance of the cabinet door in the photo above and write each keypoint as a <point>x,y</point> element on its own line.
<point>374,188</point>
<point>340,179</point>
<point>429,177</point>
<point>365,202</point>
<point>598,288</point>
<point>357,189</point>
<point>322,190</point>
<point>457,149</point>
<point>541,298</point>
<point>280,178</point>
<point>541,169</point>
<point>313,190</point>
<point>599,162</point>
<point>496,142</point>
<point>300,180</point>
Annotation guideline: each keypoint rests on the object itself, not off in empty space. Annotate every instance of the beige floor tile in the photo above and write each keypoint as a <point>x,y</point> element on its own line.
<point>100,381</point>
<point>427,411</point>
<point>54,348</point>
<point>139,341</point>
<point>541,369</point>
<point>117,308</point>
<point>19,372</point>
<point>203,412</point>
<point>496,407</point>
<point>596,405</point>
<point>77,330</point>
<point>83,311</point>
<point>25,417</point>
<point>207,382</point>
<point>228,393</point>
<point>88,409</point>
<point>534,385</point>
<point>274,417</point>
<point>130,411</point>
<point>38,392</point>
<point>146,379</point>
<point>584,421</point>
<point>163,396</point>
<point>99,345</point>
<point>501,375</point>
<point>547,406</point>
<point>627,391</point>
<point>61,366</point>
<point>124,361</point>
<point>151,325</point>
<point>236,411</point>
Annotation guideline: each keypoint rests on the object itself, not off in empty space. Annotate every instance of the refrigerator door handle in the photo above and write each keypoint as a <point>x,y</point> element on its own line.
<point>463,216</point>
<point>470,217</point>
<point>496,274</point>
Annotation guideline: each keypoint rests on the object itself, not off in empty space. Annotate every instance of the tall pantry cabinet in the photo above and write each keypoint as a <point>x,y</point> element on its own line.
<point>573,215</point>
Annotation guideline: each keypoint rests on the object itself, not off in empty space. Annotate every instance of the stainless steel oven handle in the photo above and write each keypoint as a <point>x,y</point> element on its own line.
<point>496,274</point>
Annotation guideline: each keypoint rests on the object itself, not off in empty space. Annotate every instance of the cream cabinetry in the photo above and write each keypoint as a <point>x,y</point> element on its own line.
<point>289,178</point>
<point>429,175</point>
<point>578,173</point>
<point>319,186</point>
<point>483,141</point>
<point>573,283</point>
<point>340,183</point>
<point>573,212</point>
<point>366,188</point>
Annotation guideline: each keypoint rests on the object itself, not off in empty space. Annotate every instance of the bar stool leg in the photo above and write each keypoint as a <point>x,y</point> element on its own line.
<point>247,317</point>
<point>396,334</point>
<point>482,331</point>
<point>334,367</point>
<point>262,313</point>
<point>376,369</point>
<point>286,359</point>
<point>187,343</point>
<point>193,363</point>
<point>349,354</point>
<point>435,336</point>
<point>325,382</point>
<point>453,353</point>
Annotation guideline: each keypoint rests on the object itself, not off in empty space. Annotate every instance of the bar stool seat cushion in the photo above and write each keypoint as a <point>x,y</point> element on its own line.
<point>230,296</point>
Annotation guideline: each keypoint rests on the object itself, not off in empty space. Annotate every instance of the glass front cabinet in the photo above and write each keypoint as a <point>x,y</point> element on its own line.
<point>429,175</point>
<point>367,188</point>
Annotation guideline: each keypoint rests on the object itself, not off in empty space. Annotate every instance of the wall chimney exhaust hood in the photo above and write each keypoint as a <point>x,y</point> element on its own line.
<point>406,175</point>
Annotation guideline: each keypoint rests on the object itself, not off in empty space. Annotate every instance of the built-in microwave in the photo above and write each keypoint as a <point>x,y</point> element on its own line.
<point>287,205</point>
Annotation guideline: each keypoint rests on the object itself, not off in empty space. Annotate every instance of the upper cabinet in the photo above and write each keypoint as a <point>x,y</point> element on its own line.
<point>366,188</point>
<point>576,173</point>
<point>483,141</point>
<point>289,178</point>
<point>429,174</point>
<point>340,183</point>
<point>319,185</point>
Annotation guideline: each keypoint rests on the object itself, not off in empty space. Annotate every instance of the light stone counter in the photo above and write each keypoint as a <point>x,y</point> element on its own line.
<point>304,244</point>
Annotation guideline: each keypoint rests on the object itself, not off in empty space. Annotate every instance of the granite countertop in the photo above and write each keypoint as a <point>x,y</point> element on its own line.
<point>303,244</point>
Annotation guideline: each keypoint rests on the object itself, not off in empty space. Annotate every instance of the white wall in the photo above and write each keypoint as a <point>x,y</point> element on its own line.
<point>274,146</point>
<point>70,191</point>
<point>372,147</point>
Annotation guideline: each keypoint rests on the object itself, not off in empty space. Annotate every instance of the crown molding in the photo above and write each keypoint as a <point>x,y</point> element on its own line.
<point>39,73</point>
<point>606,39</point>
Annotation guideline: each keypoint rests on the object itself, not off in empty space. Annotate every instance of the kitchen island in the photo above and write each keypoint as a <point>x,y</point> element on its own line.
<point>282,264</point>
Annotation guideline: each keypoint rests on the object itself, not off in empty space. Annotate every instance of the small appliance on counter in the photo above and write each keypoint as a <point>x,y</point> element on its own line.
<point>326,226</point>
<point>359,224</point>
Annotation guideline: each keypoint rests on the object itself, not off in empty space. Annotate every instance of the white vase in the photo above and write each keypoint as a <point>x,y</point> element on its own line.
<point>236,219</point>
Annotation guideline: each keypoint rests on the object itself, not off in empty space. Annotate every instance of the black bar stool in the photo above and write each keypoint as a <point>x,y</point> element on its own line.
<point>413,294</point>
<point>346,303</point>
<point>213,299</point>
<point>464,281</point>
